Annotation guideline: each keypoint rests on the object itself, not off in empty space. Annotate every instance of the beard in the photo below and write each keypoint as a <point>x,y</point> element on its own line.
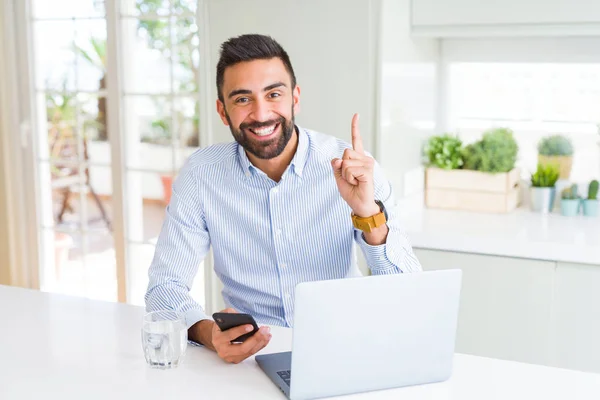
<point>264,149</point>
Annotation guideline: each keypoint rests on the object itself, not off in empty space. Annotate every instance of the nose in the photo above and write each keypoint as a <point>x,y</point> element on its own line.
<point>261,111</point>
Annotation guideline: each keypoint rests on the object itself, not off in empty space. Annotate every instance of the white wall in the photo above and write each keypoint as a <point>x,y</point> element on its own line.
<point>407,97</point>
<point>332,47</point>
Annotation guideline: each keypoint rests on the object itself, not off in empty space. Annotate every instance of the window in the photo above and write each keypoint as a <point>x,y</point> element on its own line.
<point>532,98</point>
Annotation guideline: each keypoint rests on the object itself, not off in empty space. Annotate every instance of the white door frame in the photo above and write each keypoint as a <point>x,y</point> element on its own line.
<point>114,83</point>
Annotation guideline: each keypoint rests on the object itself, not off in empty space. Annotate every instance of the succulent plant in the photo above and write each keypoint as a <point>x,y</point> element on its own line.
<point>545,176</point>
<point>444,151</point>
<point>593,190</point>
<point>570,193</point>
<point>555,145</point>
<point>495,152</point>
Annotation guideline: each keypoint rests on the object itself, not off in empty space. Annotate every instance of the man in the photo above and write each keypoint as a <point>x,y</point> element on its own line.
<point>280,205</point>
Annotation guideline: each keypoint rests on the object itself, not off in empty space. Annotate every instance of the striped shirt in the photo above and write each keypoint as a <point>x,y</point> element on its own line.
<point>266,236</point>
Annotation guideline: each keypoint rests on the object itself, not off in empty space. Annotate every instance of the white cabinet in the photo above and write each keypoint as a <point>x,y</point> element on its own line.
<point>542,312</point>
<point>577,317</point>
<point>505,309</point>
<point>507,17</point>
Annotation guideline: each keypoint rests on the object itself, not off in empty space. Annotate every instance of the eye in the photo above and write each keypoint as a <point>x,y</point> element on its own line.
<point>274,95</point>
<point>242,100</point>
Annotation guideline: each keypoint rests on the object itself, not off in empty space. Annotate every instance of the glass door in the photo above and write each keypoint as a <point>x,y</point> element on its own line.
<point>157,48</point>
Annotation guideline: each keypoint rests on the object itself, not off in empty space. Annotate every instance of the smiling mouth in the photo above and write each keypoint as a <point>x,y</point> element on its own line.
<point>265,131</point>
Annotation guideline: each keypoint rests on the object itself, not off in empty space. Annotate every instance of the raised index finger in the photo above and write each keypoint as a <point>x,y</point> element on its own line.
<point>357,143</point>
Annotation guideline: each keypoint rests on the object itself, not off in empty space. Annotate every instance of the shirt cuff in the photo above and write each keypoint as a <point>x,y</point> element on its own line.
<point>385,257</point>
<point>193,316</point>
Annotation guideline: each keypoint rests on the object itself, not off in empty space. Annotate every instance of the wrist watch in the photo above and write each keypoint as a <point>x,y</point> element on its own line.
<point>367,224</point>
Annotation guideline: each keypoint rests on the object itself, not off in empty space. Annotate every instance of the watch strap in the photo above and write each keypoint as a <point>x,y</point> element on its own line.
<point>367,224</point>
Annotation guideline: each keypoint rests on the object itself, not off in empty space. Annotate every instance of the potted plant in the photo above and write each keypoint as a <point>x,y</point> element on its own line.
<point>444,151</point>
<point>542,187</point>
<point>480,177</point>
<point>570,201</point>
<point>495,152</point>
<point>590,204</point>
<point>556,149</point>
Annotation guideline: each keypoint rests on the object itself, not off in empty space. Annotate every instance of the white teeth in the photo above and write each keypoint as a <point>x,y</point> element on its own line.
<point>264,131</point>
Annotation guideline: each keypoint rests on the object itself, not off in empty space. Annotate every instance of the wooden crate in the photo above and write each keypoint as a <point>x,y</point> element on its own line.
<point>472,190</point>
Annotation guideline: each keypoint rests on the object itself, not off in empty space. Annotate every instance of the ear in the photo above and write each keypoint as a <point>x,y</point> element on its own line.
<point>296,99</point>
<point>221,111</point>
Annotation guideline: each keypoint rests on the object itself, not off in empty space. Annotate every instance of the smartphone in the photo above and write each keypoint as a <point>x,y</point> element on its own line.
<point>227,321</point>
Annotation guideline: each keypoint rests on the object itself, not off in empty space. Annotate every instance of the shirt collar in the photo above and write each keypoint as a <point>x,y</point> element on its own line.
<point>247,166</point>
<point>298,161</point>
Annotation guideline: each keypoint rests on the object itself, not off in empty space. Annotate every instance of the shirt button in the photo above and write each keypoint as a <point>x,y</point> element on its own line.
<point>278,232</point>
<point>247,173</point>
<point>287,295</point>
<point>283,265</point>
<point>275,190</point>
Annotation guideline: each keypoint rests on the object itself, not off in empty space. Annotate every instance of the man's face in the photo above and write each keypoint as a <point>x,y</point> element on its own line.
<point>259,106</point>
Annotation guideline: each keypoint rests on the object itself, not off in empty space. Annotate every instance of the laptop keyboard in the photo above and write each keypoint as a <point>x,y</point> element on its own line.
<point>285,375</point>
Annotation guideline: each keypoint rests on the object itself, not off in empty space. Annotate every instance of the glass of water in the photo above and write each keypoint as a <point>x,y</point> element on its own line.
<point>164,338</point>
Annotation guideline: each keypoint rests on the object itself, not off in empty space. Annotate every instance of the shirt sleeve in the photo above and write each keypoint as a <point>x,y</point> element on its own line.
<point>396,254</point>
<point>183,243</point>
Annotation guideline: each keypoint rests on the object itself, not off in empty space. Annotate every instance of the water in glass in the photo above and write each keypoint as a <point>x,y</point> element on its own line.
<point>164,339</point>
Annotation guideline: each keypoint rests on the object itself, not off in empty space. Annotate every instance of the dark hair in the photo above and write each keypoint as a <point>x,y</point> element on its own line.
<point>247,48</point>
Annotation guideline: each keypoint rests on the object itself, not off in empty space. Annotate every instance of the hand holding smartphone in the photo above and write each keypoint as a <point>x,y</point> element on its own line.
<point>227,321</point>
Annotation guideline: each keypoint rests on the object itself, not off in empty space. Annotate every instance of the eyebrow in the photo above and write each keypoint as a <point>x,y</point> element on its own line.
<point>265,89</point>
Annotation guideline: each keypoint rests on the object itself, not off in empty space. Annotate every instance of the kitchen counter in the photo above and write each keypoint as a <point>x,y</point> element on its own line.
<point>520,234</point>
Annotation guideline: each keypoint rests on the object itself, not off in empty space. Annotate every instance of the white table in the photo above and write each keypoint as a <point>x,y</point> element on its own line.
<point>59,347</point>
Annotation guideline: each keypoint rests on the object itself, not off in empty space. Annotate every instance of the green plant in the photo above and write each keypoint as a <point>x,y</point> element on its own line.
<point>593,190</point>
<point>158,132</point>
<point>555,145</point>
<point>545,176</point>
<point>444,151</point>
<point>570,193</point>
<point>495,152</point>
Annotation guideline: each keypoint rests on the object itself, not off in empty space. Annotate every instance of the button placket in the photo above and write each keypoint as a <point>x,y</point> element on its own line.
<point>274,201</point>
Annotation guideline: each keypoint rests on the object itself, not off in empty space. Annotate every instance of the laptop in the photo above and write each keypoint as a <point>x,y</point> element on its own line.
<point>362,334</point>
